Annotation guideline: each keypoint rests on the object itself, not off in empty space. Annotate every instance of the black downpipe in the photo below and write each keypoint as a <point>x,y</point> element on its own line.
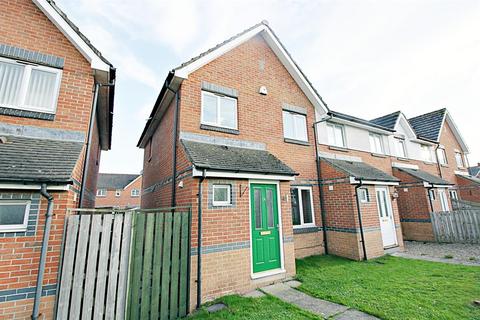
<point>175,138</point>
<point>86,162</point>
<point>360,220</point>
<point>43,253</point>
<point>439,166</point>
<point>199,242</point>
<point>320,189</point>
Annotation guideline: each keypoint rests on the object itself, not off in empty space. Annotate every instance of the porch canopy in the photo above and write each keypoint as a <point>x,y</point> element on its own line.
<point>360,171</point>
<point>428,179</point>
<point>215,160</point>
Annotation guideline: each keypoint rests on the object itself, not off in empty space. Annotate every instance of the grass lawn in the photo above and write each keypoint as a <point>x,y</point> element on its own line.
<point>265,308</point>
<point>394,288</point>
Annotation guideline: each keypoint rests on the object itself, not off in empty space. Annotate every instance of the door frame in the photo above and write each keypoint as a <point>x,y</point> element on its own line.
<point>390,208</point>
<point>280,230</point>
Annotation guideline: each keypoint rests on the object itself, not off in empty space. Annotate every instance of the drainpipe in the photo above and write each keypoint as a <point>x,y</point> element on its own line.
<point>43,253</point>
<point>439,166</point>
<point>175,138</point>
<point>360,220</point>
<point>199,241</point>
<point>319,182</point>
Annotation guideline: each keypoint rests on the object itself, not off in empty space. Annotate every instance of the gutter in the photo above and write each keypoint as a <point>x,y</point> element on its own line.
<point>43,253</point>
<point>199,242</point>
<point>359,212</point>
<point>319,182</point>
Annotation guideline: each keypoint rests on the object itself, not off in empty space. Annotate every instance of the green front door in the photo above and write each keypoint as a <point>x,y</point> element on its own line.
<point>265,227</point>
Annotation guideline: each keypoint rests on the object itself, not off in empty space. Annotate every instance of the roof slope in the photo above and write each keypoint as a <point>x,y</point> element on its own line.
<point>471,178</point>
<point>220,157</point>
<point>474,171</point>
<point>115,180</point>
<point>387,121</point>
<point>360,170</point>
<point>347,117</point>
<point>429,125</point>
<point>38,160</point>
<point>424,176</point>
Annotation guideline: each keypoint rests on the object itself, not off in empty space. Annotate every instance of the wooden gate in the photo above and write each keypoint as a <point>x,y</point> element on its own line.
<point>125,265</point>
<point>457,226</point>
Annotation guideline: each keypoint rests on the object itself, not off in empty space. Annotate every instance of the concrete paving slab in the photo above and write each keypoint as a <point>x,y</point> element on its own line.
<point>254,294</point>
<point>352,314</point>
<point>216,307</point>
<point>293,283</point>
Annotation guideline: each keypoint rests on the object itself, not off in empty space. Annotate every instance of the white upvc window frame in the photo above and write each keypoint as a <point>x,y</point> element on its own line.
<point>332,137</point>
<point>459,160</point>
<point>363,195</point>
<point>373,147</point>
<point>300,208</point>
<point>219,98</point>
<point>219,203</point>
<point>431,194</point>
<point>442,196</point>
<point>101,192</point>
<point>118,192</point>
<point>426,153</point>
<point>400,147</point>
<point>28,67</point>
<point>442,156</point>
<point>453,195</point>
<point>16,227</point>
<point>135,194</point>
<point>296,130</point>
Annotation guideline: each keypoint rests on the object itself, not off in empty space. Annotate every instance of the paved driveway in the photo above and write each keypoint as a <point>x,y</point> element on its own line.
<point>458,253</point>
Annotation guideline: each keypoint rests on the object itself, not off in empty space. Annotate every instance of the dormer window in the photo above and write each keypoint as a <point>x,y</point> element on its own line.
<point>219,110</point>
<point>28,87</point>
<point>376,143</point>
<point>336,135</point>
<point>400,147</point>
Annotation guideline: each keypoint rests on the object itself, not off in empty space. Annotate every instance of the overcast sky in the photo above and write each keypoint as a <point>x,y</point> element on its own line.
<point>366,58</point>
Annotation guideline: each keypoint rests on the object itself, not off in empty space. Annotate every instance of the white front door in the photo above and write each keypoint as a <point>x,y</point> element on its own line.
<point>443,199</point>
<point>385,213</point>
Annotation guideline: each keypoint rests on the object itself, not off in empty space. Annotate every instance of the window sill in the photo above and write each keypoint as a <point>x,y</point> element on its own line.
<point>378,155</point>
<point>402,159</point>
<point>305,229</point>
<point>219,129</point>
<point>343,149</point>
<point>293,141</point>
<point>27,114</point>
<point>444,165</point>
<point>22,229</point>
<point>428,163</point>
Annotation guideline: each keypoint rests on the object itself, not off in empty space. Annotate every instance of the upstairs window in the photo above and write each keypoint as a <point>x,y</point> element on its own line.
<point>294,126</point>
<point>442,156</point>
<point>336,135</point>
<point>400,148</point>
<point>459,159</point>
<point>426,153</point>
<point>135,193</point>
<point>14,215</point>
<point>28,87</point>
<point>302,207</point>
<point>219,111</point>
<point>376,143</point>
<point>101,192</point>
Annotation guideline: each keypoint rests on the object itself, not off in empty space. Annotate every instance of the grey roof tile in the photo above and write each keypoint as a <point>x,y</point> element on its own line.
<point>387,121</point>
<point>115,180</point>
<point>425,176</point>
<point>38,160</point>
<point>220,157</point>
<point>360,170</point>
<point>474,171</point>
<point>347,117</point>
<point>428,125</point>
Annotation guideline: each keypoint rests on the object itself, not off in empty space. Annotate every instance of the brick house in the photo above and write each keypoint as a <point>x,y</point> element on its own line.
<point>118,190</point>
<point>242,148</point>
<point>56,107</point>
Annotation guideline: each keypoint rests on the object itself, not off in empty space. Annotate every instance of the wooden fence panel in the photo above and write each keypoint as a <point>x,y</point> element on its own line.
<point>458,226</point>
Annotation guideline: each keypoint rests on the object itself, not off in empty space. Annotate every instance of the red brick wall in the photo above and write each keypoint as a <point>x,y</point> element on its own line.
<point>468,190</point>
<point>125,200</point>
<point>448,139</point>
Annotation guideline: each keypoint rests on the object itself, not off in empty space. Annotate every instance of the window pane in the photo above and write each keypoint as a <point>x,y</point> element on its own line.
<point>288,125</point>
<point>380,205</point>
<point>384,201</point>
<point>270,220</point>
<point>12,214</point>
<point>10,83</point>
<point>331,135</point>
<point>338,132</point>
<point>228,113</point>
<point>220,194</point>
<point>295,208</point>
<point>459,160</point>
<point>41,89</point>
<point>257,199</point>
<point>400,148</point>
<point>300,127</point>
<point>209,108</point>
<point>307,206</point>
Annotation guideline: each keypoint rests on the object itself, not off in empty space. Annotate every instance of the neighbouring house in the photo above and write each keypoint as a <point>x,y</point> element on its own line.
<point>56,107</point>
<point>118,190</point>
<point>475,171</point>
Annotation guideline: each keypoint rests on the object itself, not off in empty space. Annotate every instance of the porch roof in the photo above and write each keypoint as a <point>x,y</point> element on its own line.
<point>227,158</point>
<point>425,176</point>
<point>471,178</point>
<point>360,170</point>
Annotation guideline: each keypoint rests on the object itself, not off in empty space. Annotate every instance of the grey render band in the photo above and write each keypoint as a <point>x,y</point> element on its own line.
<point>222,141</point>
<point>27,114</point>
<point>34,199</point>
<point>207,86</point>
<point>31,56</point>
<point>233,193</point>
<point>219,129</point>
<point>41,133</point>
<point>292,108</point>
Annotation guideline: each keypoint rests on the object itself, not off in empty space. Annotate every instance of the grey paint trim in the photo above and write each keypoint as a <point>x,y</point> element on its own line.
<point>31,56</point>
<point>215,88</point>
<point>292,108</point>
<point>222,141</point>
<point>222,247</point>
<point>26,114</point>
<point>41,133</point>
